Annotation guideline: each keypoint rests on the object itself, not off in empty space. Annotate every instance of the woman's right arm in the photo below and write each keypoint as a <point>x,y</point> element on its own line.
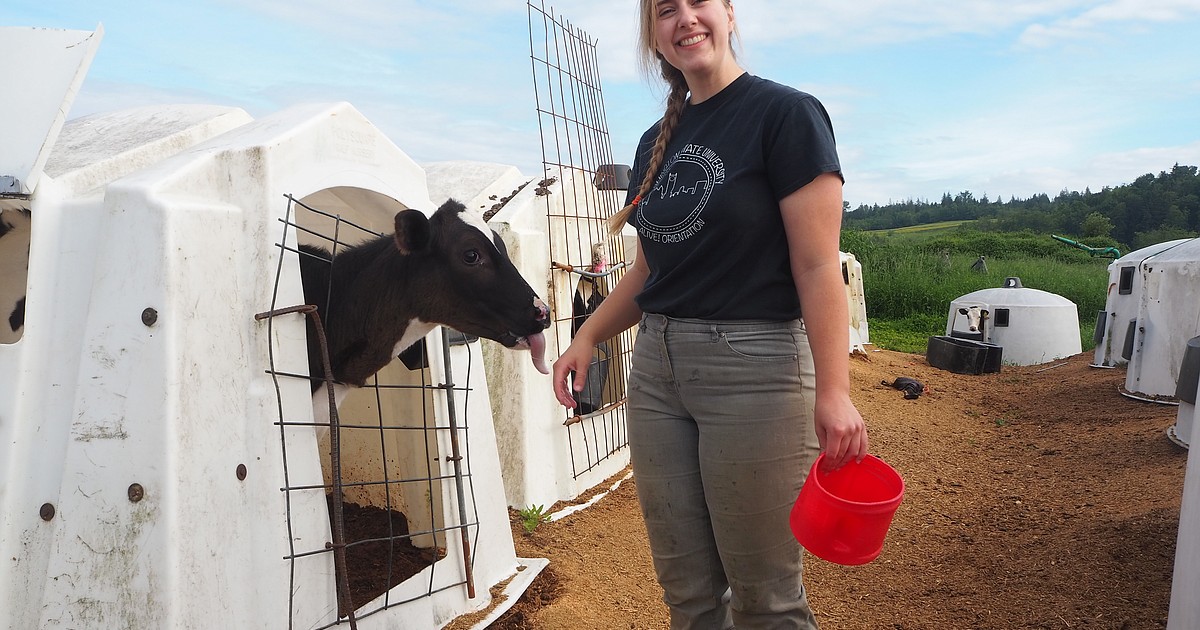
<point>616,313</point>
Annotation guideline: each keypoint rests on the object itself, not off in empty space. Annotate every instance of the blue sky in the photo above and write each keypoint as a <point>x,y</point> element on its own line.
<point>997,97</point>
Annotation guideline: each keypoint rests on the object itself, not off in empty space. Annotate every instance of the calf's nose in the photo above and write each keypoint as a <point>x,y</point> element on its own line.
<point>541,311</point>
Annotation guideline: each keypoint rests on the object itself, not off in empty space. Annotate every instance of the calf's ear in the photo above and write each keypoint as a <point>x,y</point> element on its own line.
<point>412,231</point>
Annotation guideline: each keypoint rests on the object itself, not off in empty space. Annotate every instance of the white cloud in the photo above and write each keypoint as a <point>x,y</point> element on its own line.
<point>386,24</point>
<point>611,25</point>
<point>879,23</point>
<point>927,96</point>
<point>1091,23</point>
<point>1008,179</point>
<point>1114,169</point>
<point>1094,173</point>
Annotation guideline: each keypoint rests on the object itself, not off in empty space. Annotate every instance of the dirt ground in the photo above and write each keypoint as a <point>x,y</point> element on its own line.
<point>1037,497</point>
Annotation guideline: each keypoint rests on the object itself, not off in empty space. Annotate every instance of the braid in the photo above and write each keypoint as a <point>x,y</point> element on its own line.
<point>676,101</point>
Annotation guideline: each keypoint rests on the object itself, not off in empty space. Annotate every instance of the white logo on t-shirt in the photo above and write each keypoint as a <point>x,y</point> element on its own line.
<point>688,179</point>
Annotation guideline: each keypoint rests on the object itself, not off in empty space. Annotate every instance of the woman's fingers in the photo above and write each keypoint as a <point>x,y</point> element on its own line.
<point>565,386</point>
<point>842,439</point>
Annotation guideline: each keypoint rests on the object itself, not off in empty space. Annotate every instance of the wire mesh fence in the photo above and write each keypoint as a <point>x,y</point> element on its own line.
<point>577,153</point>
<point>389,461</point>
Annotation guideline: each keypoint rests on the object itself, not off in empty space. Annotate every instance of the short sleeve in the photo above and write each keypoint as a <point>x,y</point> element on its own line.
<point>799,144</point>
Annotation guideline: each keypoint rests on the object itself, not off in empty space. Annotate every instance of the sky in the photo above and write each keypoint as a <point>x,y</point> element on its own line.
<point>999,98</point>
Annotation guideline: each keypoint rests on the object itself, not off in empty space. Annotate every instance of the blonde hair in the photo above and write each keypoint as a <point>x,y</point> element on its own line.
<point>650,60</point>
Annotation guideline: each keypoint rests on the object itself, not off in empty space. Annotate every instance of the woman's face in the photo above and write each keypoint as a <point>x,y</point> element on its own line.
<point>694,35</point>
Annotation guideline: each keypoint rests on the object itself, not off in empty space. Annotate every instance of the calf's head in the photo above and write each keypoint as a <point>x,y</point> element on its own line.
<point>974,316</point>
<point>467,280</point>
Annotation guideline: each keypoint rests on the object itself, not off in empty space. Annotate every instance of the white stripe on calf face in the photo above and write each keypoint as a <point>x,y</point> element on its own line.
<point>476,221</point>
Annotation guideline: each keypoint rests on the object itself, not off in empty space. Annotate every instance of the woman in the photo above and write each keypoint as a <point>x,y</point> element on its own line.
<point>731,394</point>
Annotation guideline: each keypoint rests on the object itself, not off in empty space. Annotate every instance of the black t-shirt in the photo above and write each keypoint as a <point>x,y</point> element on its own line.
<point>711,227</point>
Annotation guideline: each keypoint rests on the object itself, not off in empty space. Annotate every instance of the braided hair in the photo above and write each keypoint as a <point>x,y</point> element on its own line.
<point>676,101</point>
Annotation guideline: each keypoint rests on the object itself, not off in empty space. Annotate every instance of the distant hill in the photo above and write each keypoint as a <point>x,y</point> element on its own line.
<point>1152,209</point>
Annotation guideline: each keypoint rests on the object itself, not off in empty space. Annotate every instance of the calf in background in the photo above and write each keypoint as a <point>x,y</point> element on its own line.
<point>976,317</point>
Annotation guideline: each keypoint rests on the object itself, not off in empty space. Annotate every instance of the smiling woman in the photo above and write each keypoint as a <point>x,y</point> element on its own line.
<point>731,393</point>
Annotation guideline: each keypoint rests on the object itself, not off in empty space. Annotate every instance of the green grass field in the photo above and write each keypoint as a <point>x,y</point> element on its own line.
<point>910,281</point>
<point>925,229</point>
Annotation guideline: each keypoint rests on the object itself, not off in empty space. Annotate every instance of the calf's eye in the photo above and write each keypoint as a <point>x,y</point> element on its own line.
<point>472,257</point>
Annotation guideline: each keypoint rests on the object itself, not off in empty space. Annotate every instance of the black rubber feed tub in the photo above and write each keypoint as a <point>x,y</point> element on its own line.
<point>963,356</point>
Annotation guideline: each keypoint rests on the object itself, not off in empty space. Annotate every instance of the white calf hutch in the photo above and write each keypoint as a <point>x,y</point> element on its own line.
<point>160,467</point>
<point>1166,317</point>
<point>1185,606</point>
<point>856,301</point>
<point>1116,325</point>
<point>1030,325</point>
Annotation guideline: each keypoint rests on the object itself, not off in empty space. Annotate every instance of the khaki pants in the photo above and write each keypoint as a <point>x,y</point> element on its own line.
<point>721,438</point>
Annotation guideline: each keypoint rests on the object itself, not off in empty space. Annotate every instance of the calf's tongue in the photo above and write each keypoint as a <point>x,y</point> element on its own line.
<point>537,351</point>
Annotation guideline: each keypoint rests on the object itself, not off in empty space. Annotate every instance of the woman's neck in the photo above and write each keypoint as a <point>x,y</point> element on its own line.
<point>704,87</point>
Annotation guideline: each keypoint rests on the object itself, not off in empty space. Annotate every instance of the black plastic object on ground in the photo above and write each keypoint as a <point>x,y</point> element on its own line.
<point>911,387</point>
<point>963,356</point>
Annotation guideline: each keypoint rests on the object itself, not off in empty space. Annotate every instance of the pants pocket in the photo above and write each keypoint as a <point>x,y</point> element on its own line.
<point>763,346</point>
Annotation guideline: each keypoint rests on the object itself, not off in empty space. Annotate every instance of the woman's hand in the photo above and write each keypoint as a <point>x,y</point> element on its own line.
<point>577,359</point>
<point>840,430</point>
<point>617,312</point>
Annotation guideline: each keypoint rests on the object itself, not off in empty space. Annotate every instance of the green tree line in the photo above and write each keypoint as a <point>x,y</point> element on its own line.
<point>1152,209</point>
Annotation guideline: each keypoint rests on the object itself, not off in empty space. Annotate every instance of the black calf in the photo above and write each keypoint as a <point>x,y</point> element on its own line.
<point>378,298</point>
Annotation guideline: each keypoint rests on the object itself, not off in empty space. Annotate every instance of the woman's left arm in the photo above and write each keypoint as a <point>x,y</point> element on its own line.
<point>812,218</point>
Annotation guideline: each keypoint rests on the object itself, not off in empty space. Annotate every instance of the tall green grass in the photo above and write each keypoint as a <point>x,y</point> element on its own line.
<point>910,281</point>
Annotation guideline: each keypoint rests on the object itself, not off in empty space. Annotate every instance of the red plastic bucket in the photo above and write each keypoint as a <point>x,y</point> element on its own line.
<point>843,515</point>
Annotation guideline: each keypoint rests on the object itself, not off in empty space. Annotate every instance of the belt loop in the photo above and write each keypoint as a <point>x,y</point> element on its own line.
<point>714,334</point>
